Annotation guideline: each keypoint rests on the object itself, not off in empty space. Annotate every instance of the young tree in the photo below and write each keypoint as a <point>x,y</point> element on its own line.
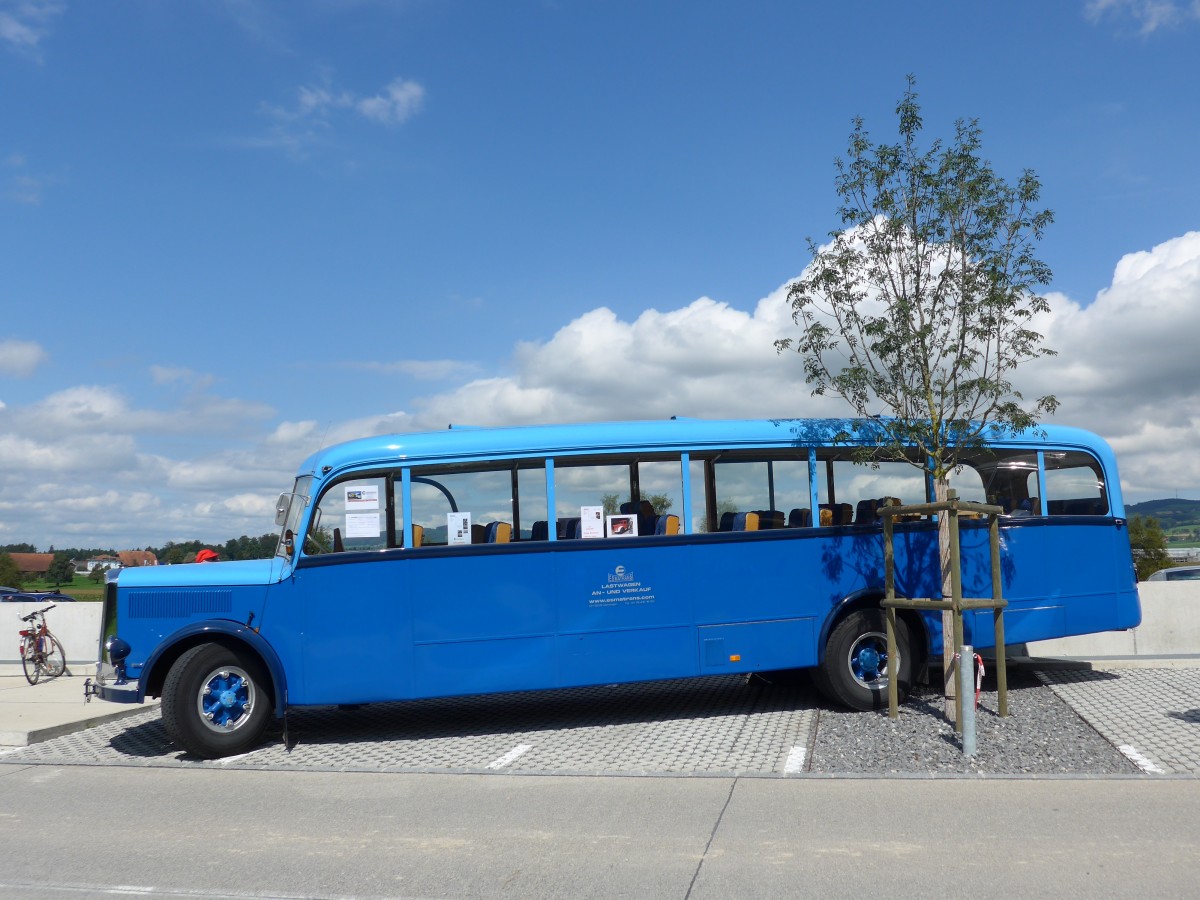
<point>1149,546</point>
<point>919,309</point>
<point>60,572</point>
<point>10,575</point>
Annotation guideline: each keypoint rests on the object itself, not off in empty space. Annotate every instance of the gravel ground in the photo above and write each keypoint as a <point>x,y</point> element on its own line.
<point>1040,736</point>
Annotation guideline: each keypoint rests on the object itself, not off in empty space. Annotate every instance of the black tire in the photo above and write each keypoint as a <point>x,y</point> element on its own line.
<point>854,670</point>
<point>29,660</point>
<point>54,660</point>
<point>216,701</point>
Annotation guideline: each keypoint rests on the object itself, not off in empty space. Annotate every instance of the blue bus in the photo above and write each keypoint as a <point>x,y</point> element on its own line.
<point>478,560</point>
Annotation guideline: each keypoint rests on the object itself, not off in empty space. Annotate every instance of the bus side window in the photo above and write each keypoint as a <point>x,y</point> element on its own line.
<point>466,505</point>
<point>350,516</point>
<point>1074,485</point>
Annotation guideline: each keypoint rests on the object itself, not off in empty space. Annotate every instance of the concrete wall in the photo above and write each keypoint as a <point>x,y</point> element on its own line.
<point>76,625</point>
<point>1170,626</point>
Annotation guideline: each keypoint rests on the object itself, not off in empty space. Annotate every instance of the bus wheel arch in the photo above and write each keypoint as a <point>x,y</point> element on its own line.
<point>853,667</point>
<point>237,638</point>
<point>216,699</point>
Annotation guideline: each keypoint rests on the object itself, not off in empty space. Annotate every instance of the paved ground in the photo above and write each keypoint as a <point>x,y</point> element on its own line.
<point>1150,715</point>
<point>707,726</point>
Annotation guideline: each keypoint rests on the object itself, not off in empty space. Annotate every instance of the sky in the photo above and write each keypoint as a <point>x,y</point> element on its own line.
<point>235,231</point>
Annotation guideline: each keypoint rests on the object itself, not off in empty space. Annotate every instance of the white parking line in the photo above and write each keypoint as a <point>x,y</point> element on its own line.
<point>512,755</point>
<point>1142,762</point>
<point>795,761</point>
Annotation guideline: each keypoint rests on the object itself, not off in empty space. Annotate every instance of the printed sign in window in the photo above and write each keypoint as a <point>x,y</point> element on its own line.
<point>362,525</point>
<point>362,497</point>
<point>458,528</point>
<point>591,521</point>
<point>622,526</point>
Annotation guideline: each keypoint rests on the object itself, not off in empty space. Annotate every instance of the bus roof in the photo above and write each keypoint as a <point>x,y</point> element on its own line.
<point>466,444</point>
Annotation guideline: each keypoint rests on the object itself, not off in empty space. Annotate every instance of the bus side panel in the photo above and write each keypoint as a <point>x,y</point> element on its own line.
<point>612,657</point>
<point>758,646</point>
<point>1097,592</point>
<point>625,610</point>
<point>483,620</point>
<point>354,622</point>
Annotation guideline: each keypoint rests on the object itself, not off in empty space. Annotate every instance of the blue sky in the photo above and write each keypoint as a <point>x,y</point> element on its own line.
<point>233,231</point>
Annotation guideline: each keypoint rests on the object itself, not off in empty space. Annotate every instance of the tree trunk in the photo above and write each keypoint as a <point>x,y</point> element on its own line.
<point>941,488</point>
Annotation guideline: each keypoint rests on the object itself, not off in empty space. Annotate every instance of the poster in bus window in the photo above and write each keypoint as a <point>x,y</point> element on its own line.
<point>458,528</point>
<point>362,525</point>
<point>591,521</point>
<point>362,497</point>
<point>622,526</point>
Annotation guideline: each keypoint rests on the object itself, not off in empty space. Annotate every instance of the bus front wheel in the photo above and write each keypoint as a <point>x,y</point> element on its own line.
<point>855,669</point>
<point>216,701</point>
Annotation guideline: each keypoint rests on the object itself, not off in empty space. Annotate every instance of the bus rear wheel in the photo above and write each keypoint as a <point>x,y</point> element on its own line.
<point>216,701</point>
<point>854,671</point>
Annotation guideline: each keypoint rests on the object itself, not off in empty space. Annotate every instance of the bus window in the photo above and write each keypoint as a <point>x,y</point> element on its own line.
<point>850,492</point>
<point>350,516</point>
<point>1009,478</point>
<point>1074,485</point>
<point>468,506</point>
<point>650,489</point>
<point>769,487</point>
<point>532,508</point>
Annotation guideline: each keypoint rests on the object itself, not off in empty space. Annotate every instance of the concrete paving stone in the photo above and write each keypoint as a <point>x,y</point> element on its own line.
<point>1152,710</point>
<point>722,725</point>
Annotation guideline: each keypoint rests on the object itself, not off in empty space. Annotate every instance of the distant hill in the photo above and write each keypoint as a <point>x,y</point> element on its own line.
<point>1170,513</point>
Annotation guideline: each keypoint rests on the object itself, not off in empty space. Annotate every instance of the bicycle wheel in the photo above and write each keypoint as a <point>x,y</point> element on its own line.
<point>54,659</point>
<point>31,659</point>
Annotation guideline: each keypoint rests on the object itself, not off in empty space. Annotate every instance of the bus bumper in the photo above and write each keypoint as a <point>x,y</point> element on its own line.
<point>113,693</point>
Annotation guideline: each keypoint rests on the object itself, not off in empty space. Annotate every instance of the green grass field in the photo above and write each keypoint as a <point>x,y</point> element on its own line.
<point>80,588</point>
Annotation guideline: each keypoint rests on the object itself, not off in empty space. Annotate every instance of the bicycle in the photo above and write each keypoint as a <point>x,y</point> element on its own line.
<point>41,651</point>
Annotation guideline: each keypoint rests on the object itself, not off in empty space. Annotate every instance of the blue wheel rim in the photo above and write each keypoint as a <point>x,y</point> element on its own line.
<point>226,697</point>
<point>868,661</point>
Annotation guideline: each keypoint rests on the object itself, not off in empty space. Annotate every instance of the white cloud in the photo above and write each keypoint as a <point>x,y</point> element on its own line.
<point>399,102</point>
<point>1128,367</point>
<point>1149,15</point>
<point>21,358</point>
<point>318,108</point>
<point>24,23</point>
<point>87,463</point>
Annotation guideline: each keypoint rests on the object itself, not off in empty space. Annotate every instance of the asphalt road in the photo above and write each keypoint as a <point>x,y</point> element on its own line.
<point>168,832</point>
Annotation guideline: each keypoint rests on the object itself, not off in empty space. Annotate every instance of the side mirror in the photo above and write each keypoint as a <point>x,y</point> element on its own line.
<point>281,508</point>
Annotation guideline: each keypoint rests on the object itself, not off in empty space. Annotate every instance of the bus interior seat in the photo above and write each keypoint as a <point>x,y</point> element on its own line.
<point>418,535</point>
<point>540,531</point>
<point>839,514</point>
<point>727,521</point>
<point>644,510</point>
<point>667,524</point>
<point>498,532</point>
<point>769,518</point>
<point>745,521</point>
<point>800,517</point>
<point>569,529</point>
<point>338,545</point>
<point>478,533</point>
<point>867,512</point>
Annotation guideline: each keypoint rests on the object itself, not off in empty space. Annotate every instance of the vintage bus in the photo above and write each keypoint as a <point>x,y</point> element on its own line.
<point>480,560</point>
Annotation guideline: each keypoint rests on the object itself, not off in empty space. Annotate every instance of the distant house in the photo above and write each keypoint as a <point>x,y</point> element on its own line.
<point>133,558</point>
<point>33,565</point>
<point>87,566</point>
